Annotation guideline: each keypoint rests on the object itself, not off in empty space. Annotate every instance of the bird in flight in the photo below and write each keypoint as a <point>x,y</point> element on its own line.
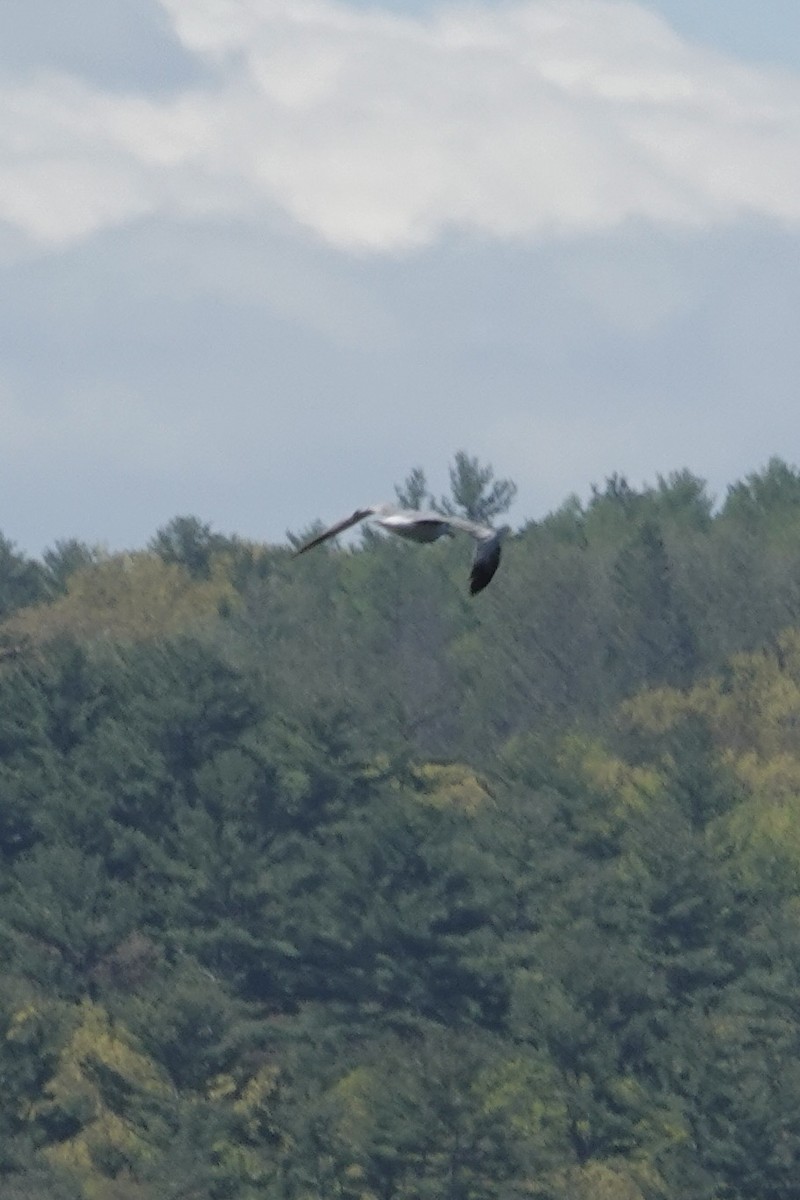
<point>427,527</point>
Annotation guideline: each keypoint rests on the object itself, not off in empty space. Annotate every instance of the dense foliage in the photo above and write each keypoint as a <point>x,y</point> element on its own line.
<point>321,879</point>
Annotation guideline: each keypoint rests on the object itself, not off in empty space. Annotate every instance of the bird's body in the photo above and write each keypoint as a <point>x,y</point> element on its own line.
<point>411,524</point>
<point>418,526</point>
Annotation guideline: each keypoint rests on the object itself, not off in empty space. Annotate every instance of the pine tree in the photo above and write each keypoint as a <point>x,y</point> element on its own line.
<point>474,491</point>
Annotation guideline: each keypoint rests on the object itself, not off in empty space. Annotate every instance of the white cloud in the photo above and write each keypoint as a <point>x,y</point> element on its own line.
<point>230,327</point>
<point>377,132</point>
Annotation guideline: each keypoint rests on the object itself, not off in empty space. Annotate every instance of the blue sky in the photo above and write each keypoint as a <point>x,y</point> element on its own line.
<point>259,258</point>
<point>768,32</point>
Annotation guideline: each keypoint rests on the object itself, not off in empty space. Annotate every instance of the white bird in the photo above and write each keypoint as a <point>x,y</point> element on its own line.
<point>427,527</point>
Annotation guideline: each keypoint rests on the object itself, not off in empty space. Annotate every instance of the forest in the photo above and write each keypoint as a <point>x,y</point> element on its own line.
<point>322,880</point>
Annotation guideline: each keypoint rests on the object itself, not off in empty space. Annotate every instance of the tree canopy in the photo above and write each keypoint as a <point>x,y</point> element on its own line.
<point>321,879</point>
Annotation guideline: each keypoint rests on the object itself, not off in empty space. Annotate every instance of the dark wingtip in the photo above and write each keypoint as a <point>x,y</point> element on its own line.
<point>478,580</point>
<point>483,571</point>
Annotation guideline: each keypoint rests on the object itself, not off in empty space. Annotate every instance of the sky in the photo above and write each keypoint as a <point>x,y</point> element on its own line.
<point>260,258</point>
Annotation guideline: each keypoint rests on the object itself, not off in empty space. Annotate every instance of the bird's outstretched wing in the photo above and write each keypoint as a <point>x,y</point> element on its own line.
<point>488,545</point>
<point>485,563</point>
<point>332,530</point>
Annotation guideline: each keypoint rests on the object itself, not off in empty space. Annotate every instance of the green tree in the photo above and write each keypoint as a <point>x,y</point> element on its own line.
<point>37,1179</point>
<point>64,558</point>
<point>681,498</point>
<point>653,641</point>
<point>22,580</point>
<point>474,491</point>
<point>189,543</point>
<point>413,493</point>
<point>769,498</point>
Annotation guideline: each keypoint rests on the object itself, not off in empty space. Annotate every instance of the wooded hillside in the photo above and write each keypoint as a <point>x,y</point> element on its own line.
<point>322,879</point>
